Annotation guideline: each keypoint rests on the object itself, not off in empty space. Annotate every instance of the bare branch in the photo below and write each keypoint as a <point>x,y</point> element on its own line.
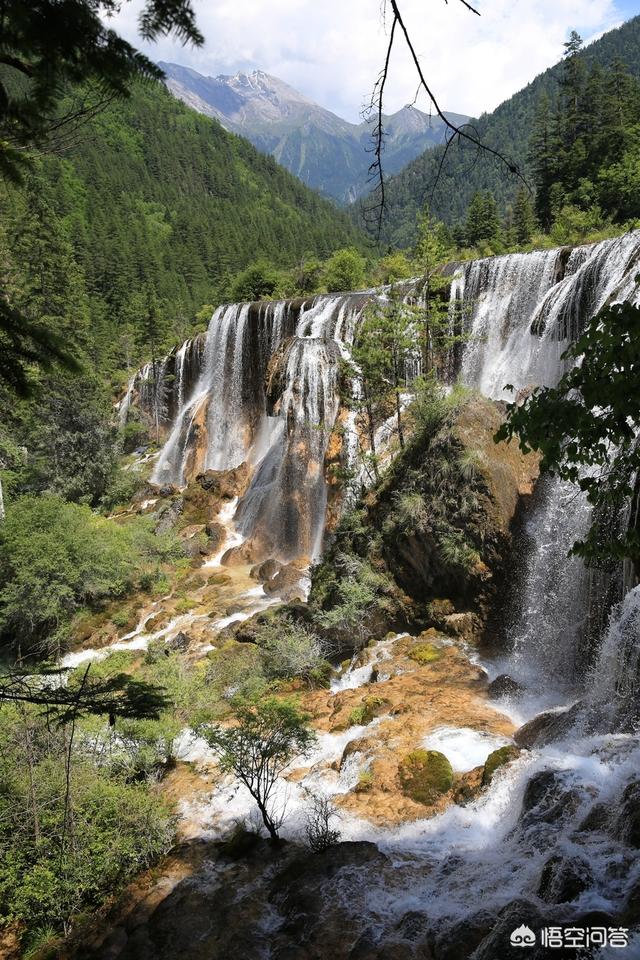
<point>454,132</point>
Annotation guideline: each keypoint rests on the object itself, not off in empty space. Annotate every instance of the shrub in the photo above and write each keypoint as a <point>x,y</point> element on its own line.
<point>319,832</point>
<point>425,775</point>
<point>365,781</point>
<point>290,649</point>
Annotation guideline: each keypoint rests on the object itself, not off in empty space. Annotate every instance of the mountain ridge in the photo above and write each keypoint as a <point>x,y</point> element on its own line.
<point>328,153</point>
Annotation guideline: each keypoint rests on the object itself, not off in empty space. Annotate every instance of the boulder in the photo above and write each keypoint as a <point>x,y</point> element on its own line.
<point>178,644</point>
<point>547,799</point>
<point>425,775</point>
<point>563,879</point>
<point>496,759</point>
<point>267,570</point>
<point>627,826</point>
<point>216,535</point>
<point>169,515</point>
<point>497,944</point>
<point>504,686</point>
<point>546,727</point>
<point>225,484</point>
<point>286,583</point>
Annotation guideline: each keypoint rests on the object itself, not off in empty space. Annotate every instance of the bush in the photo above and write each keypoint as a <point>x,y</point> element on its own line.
<point>345,271</point>
<point>425,775</point>
<point>320,835</point>
<point>290,649</point>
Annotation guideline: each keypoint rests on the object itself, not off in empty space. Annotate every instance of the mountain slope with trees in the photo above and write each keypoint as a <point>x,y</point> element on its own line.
<point>508,129</point>
<point>144,219</point>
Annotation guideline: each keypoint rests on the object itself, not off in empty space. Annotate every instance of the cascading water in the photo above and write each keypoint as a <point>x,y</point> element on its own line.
<point>267,393</point>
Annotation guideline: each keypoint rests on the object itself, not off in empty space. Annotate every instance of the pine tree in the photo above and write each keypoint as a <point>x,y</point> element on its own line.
<point>524,221</point>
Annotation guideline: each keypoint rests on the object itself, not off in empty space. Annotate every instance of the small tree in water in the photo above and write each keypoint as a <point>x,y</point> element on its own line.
<point>265,737</point>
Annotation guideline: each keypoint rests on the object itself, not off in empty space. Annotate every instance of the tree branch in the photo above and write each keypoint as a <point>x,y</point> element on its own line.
<point>459,133</point>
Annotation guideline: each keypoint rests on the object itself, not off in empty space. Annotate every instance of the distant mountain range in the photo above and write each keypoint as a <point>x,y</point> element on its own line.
<point>326,152</point>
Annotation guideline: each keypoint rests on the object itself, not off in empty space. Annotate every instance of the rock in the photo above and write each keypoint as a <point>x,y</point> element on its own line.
<point>413,926</point>
<point>497,946</point>
<point>546,727</point>
<point>547,799</point>
<point>286,583</point>
<point>264,571</point>
<point>179,643</point>
<point>563,879</point>
<point>240,556</point>
<point>630,913</point>
<point>168,490</point>
<point>466,626</point>
<point>225,484</point>
<point>627,827</point>
<point>169,515</point>
<point>425,775</point>
<point>496,759</point>
<point>216,535</point>
<point>425,653</point>
<point>504,686</point>
<point>459,941</point>
<point>468,786</point>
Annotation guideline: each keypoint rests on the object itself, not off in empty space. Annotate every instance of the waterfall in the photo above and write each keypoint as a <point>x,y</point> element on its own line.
<point>266,394</point>
<point>614,687</point>
<point>262,387</point>
<point>521,311</point>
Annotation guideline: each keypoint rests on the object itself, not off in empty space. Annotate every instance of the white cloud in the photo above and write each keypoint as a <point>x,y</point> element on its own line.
<point>333,50</point>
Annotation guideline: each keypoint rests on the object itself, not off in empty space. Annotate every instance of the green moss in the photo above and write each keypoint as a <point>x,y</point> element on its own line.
<point>425,775</point>
<point>185,605</point>
<point>497,759</point>
<point>366,711</point>
<point>424,653</point>
<point>365,781</point>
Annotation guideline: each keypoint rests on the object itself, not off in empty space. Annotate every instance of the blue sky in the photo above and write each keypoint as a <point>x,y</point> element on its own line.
<point>332,51</point>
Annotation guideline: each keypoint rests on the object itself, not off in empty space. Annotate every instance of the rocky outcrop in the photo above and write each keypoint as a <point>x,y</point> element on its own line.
<point>436,532</point>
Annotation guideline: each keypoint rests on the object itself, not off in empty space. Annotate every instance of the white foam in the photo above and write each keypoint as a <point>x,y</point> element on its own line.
<point>464,748</point>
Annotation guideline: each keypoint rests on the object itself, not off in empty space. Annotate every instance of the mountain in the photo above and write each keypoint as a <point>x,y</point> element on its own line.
<point>507,129</point>
<point>326,152</point>
<point>154,201</point>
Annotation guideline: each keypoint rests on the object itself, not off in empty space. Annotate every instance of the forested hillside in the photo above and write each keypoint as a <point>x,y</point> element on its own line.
<point>145,218</point>
<point>508,129</point>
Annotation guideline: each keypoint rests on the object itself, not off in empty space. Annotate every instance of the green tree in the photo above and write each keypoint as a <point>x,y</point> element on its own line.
<point>46,45</point>
<point>264,738</point>
<point>432,251</point>
<point>587,429</point>
<point>345,271</point>
<point>482,222</point>
<point>524,221</point>
<point>258,281</point>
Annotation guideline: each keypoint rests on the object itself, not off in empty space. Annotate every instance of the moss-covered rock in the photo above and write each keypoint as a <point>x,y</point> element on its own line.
<point>364,713</point>
<point>497,759</point>
<point>425,653</point>
<point>425,775</point>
